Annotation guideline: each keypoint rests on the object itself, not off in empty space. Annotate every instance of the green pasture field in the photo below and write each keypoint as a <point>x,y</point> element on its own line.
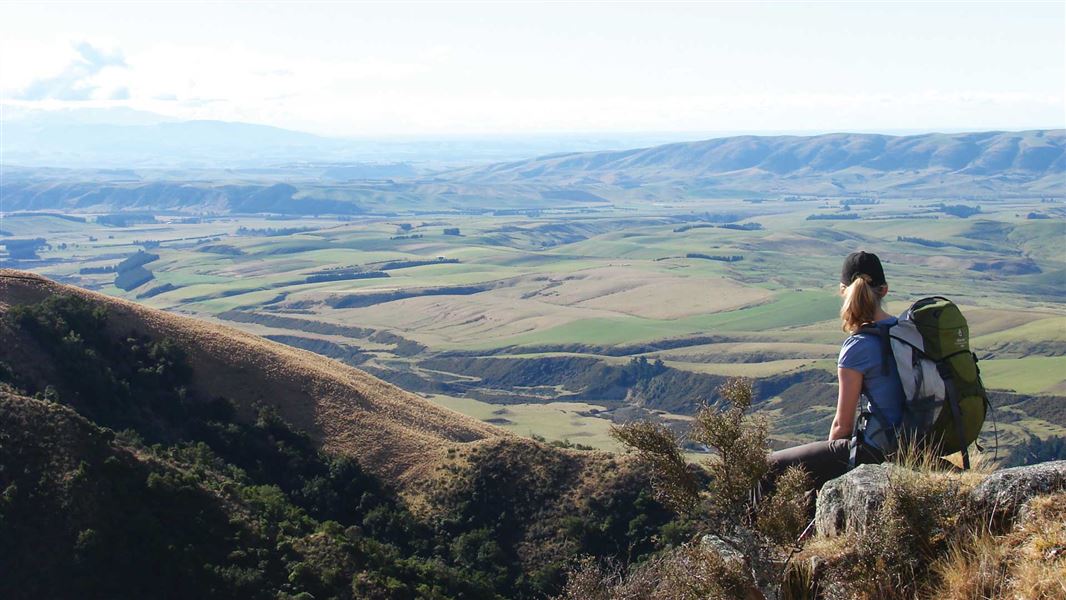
<point>1029,375</point>
<point>1047,329</point>
<point>554,421</point>
<point>788,309</point>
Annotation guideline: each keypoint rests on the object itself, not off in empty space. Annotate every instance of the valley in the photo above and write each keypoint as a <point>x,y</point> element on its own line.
<point>557,321</point>
<point>532,301</point>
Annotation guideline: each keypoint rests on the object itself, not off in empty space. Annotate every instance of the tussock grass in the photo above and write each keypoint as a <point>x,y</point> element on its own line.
<point>1027,562</point>
<point>927,542</point>
<point>915,460</point>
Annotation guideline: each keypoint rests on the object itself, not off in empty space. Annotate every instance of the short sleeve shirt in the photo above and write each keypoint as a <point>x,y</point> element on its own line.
<point>884,392</point>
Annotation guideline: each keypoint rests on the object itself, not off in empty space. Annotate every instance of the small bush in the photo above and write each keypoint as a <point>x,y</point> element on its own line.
<point>723,505</point>
<point>740,440</point>
<point>686,573</point>
<point>656,445</point>
<point>741,461</point>
<point>783,515</point>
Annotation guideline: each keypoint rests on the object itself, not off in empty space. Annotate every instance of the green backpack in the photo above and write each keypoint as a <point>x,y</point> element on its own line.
<point>945,403</point>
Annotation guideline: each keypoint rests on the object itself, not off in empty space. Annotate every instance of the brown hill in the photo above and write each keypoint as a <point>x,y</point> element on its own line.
<point>394,433</point>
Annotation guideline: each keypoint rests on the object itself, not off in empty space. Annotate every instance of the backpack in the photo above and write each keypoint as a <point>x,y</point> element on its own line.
<point>945,403</point>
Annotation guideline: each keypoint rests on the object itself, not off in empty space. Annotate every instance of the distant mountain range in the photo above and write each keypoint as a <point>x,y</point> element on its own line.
<point>1029,161</point>
<point>125,138</point>
<point>137,140</point>
<point>974,166</point>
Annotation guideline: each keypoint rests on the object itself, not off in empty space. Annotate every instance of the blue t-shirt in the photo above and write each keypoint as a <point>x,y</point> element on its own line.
<point>862,353</point>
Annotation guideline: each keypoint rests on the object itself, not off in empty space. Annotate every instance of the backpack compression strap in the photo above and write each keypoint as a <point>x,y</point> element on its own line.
<point>856,436</point>
<point>956,411</point>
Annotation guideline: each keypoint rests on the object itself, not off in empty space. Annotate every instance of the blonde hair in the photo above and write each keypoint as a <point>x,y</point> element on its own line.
<point>861,302</point>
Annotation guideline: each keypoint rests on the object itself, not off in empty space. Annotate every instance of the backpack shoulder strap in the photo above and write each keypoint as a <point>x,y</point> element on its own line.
<point>881,330</point>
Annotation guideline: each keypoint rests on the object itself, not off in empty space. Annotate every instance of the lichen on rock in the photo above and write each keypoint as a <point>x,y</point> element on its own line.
<point>850,502</point>
<point>1007,492</point>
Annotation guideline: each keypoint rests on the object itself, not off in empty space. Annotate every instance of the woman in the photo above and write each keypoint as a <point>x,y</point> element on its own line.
<point>861,372</point>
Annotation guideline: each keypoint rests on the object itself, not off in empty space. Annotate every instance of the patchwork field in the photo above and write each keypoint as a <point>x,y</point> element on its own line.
<point>555,323</point>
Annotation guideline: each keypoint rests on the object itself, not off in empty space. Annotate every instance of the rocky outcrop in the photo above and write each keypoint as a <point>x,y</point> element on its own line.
<point>851,502</point>
<point>1005,493</point>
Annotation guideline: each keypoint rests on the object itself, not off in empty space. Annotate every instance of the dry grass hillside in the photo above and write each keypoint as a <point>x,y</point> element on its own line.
<point>277,471</point>
<point>394,433</point>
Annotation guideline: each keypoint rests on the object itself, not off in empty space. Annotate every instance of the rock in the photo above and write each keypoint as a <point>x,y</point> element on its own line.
<point>722,548</point>
<point>1005,493</point>
<point>850,502</point>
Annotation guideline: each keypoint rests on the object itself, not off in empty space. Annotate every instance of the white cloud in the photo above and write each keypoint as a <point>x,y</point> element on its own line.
<point>78,81</point>
<point>438,89</point>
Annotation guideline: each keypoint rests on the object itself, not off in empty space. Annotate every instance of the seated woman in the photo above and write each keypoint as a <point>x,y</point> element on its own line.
<point>861,372</point>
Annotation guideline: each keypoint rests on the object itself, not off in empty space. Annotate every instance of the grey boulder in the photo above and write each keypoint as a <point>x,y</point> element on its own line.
<point>850,502</point>
<point>1004,493</point>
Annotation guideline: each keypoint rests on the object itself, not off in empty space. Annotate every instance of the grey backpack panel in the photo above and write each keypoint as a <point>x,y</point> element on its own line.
<point>924,392</point>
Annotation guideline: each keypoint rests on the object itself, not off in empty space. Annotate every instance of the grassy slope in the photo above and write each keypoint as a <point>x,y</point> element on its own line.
<point>344,409</point>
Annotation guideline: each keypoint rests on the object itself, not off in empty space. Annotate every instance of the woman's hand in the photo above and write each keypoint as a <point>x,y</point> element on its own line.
<point>847,403</point>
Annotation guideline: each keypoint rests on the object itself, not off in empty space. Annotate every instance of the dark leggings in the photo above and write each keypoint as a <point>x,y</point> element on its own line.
<point>823,460</point>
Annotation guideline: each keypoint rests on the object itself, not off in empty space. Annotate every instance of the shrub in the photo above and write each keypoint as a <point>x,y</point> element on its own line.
<point>783,516</point>
<point>741,461</point>
<point>723,505</point>
<point>659,447</point>
<point>686,573</point>
<point>740,440</point>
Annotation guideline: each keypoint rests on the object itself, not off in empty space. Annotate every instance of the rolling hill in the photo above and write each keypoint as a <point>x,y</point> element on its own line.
<point>1028,161</point>
<point>970,166</point>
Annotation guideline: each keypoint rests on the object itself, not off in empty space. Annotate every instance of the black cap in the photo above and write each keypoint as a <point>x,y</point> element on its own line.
<point>862,263</point>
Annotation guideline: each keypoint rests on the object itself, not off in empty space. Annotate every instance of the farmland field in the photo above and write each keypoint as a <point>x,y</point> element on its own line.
<point>552,323</point>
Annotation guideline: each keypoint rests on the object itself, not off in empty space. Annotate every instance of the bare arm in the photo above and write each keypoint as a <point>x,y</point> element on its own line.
<point>847,403</point>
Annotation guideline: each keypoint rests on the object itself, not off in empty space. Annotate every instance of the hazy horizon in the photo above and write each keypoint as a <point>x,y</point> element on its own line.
<point>22,113</point>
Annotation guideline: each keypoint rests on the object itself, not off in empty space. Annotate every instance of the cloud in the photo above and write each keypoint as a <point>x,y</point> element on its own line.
<point>76,81</point>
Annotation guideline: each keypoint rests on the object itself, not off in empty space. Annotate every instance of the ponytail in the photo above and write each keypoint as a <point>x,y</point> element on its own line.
<point>861,303</point>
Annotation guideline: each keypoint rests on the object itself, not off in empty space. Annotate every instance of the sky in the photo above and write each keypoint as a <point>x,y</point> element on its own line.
<point>409,68</point>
